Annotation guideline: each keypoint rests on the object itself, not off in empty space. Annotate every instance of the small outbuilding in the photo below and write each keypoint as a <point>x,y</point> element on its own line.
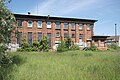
<point>100,42</point>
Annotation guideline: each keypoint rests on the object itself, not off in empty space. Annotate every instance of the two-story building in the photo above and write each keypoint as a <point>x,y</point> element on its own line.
<point>33,28</point>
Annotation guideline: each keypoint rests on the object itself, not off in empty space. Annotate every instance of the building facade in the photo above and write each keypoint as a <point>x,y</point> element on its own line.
<point>113,40</point>
<point>34,28</point>
<point>100,42</point>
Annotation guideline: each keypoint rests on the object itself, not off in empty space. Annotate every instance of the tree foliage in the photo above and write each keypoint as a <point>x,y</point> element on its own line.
<point>6,27</point>
<point>44,44</point>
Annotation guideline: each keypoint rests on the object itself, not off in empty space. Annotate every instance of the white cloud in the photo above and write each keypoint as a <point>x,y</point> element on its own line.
<point>55,7</point>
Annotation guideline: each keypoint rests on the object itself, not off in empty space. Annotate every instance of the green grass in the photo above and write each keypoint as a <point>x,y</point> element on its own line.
<point>71,65</point>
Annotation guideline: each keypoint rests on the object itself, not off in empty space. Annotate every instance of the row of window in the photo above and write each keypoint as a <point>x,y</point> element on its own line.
<point>19,37</point>
<point>30,23</point>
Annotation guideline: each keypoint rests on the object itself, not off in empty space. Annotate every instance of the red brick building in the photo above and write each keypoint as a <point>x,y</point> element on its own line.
<point>33,28</point>
<point>100,42</point>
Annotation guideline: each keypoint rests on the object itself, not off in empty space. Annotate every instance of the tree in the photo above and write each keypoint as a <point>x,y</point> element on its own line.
<point>6,27</point>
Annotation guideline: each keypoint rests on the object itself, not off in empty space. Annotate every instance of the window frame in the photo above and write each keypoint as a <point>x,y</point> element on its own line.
<point>29,24</point>
<point>80,26</point>
<point>88,26</point>
<point>72,35</point>
<point>39,26</point>
<point>19,38</point>
<point>58,34</point>
<point>49,25</point>
<point>30,38</point>
<point>19,23</point>
<point>72,26</point>
<point>65,25</point>
<point>39,36</point>
<point>66,34</point>
<point>58,25</point>
<point>80,36</point>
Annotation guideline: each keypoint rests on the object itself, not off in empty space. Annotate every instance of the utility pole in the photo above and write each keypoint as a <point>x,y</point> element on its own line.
<point>115,34</point>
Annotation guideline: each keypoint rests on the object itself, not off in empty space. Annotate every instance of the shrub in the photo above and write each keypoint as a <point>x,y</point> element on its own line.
<point>20,50</point>
<point>44,44</point>
<point>113,46</point>
<point>34,49</point>
<point>35,44</point>
<point>24,44</point>
<point>62,47</point>
<point>68,42</point>
<point>93,47</point>
<point>74,47</point>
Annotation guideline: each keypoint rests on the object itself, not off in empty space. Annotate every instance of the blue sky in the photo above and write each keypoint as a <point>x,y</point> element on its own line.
<point>107,12</point>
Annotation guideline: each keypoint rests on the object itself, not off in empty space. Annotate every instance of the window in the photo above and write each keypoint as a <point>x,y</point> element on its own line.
<point>19,38</point>
<point>65,35</point>
<point>58,34</point>
<point>57,25</point>
<point>81,36</point>
<point>80,26</point>
<point>29,23</point>
<point>88,26</point>
<point>39,24</point>
<point>49,39</point>
<point>30,38</point>
<point>19,22</point>
<point>39,36</point>
<point>73,35</point>
<point>65,25</point>
<point>48,24</point>
<point>73,25</point>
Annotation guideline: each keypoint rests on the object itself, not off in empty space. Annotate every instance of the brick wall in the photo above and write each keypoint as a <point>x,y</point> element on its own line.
<point>34,29</point>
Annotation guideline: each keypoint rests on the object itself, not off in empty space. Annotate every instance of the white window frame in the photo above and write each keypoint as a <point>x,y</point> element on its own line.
<point>39,26</point>
<point>88,26</point>
<point>57,24</point>
<point>58,34</point>
<point>73,27</point>
<point>65,24</point>
<point>72,35</point>
<point>49,25</point>
<point>29,25</point>
<point>80,26</point>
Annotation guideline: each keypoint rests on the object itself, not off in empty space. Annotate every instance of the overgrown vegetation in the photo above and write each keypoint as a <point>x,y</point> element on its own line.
<point>67,45</point>
<point>113,46</point>
<point>77,65</point>
<point>36,46</point>
<point>93,47</point>
<point>62,47</point>
<point>44,44</point>
<point>6,28</point>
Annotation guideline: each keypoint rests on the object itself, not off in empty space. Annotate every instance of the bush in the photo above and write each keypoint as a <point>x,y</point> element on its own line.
<point>68,42</point>
<point>113,46</point>
<point>67,45</point>
<point>62,47</point>
<point>93,48</point>
<point>34,49</point>
<point>74,47</point>
<point>44,46</point>
<point>25,47</point>
<point>35,44</point>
